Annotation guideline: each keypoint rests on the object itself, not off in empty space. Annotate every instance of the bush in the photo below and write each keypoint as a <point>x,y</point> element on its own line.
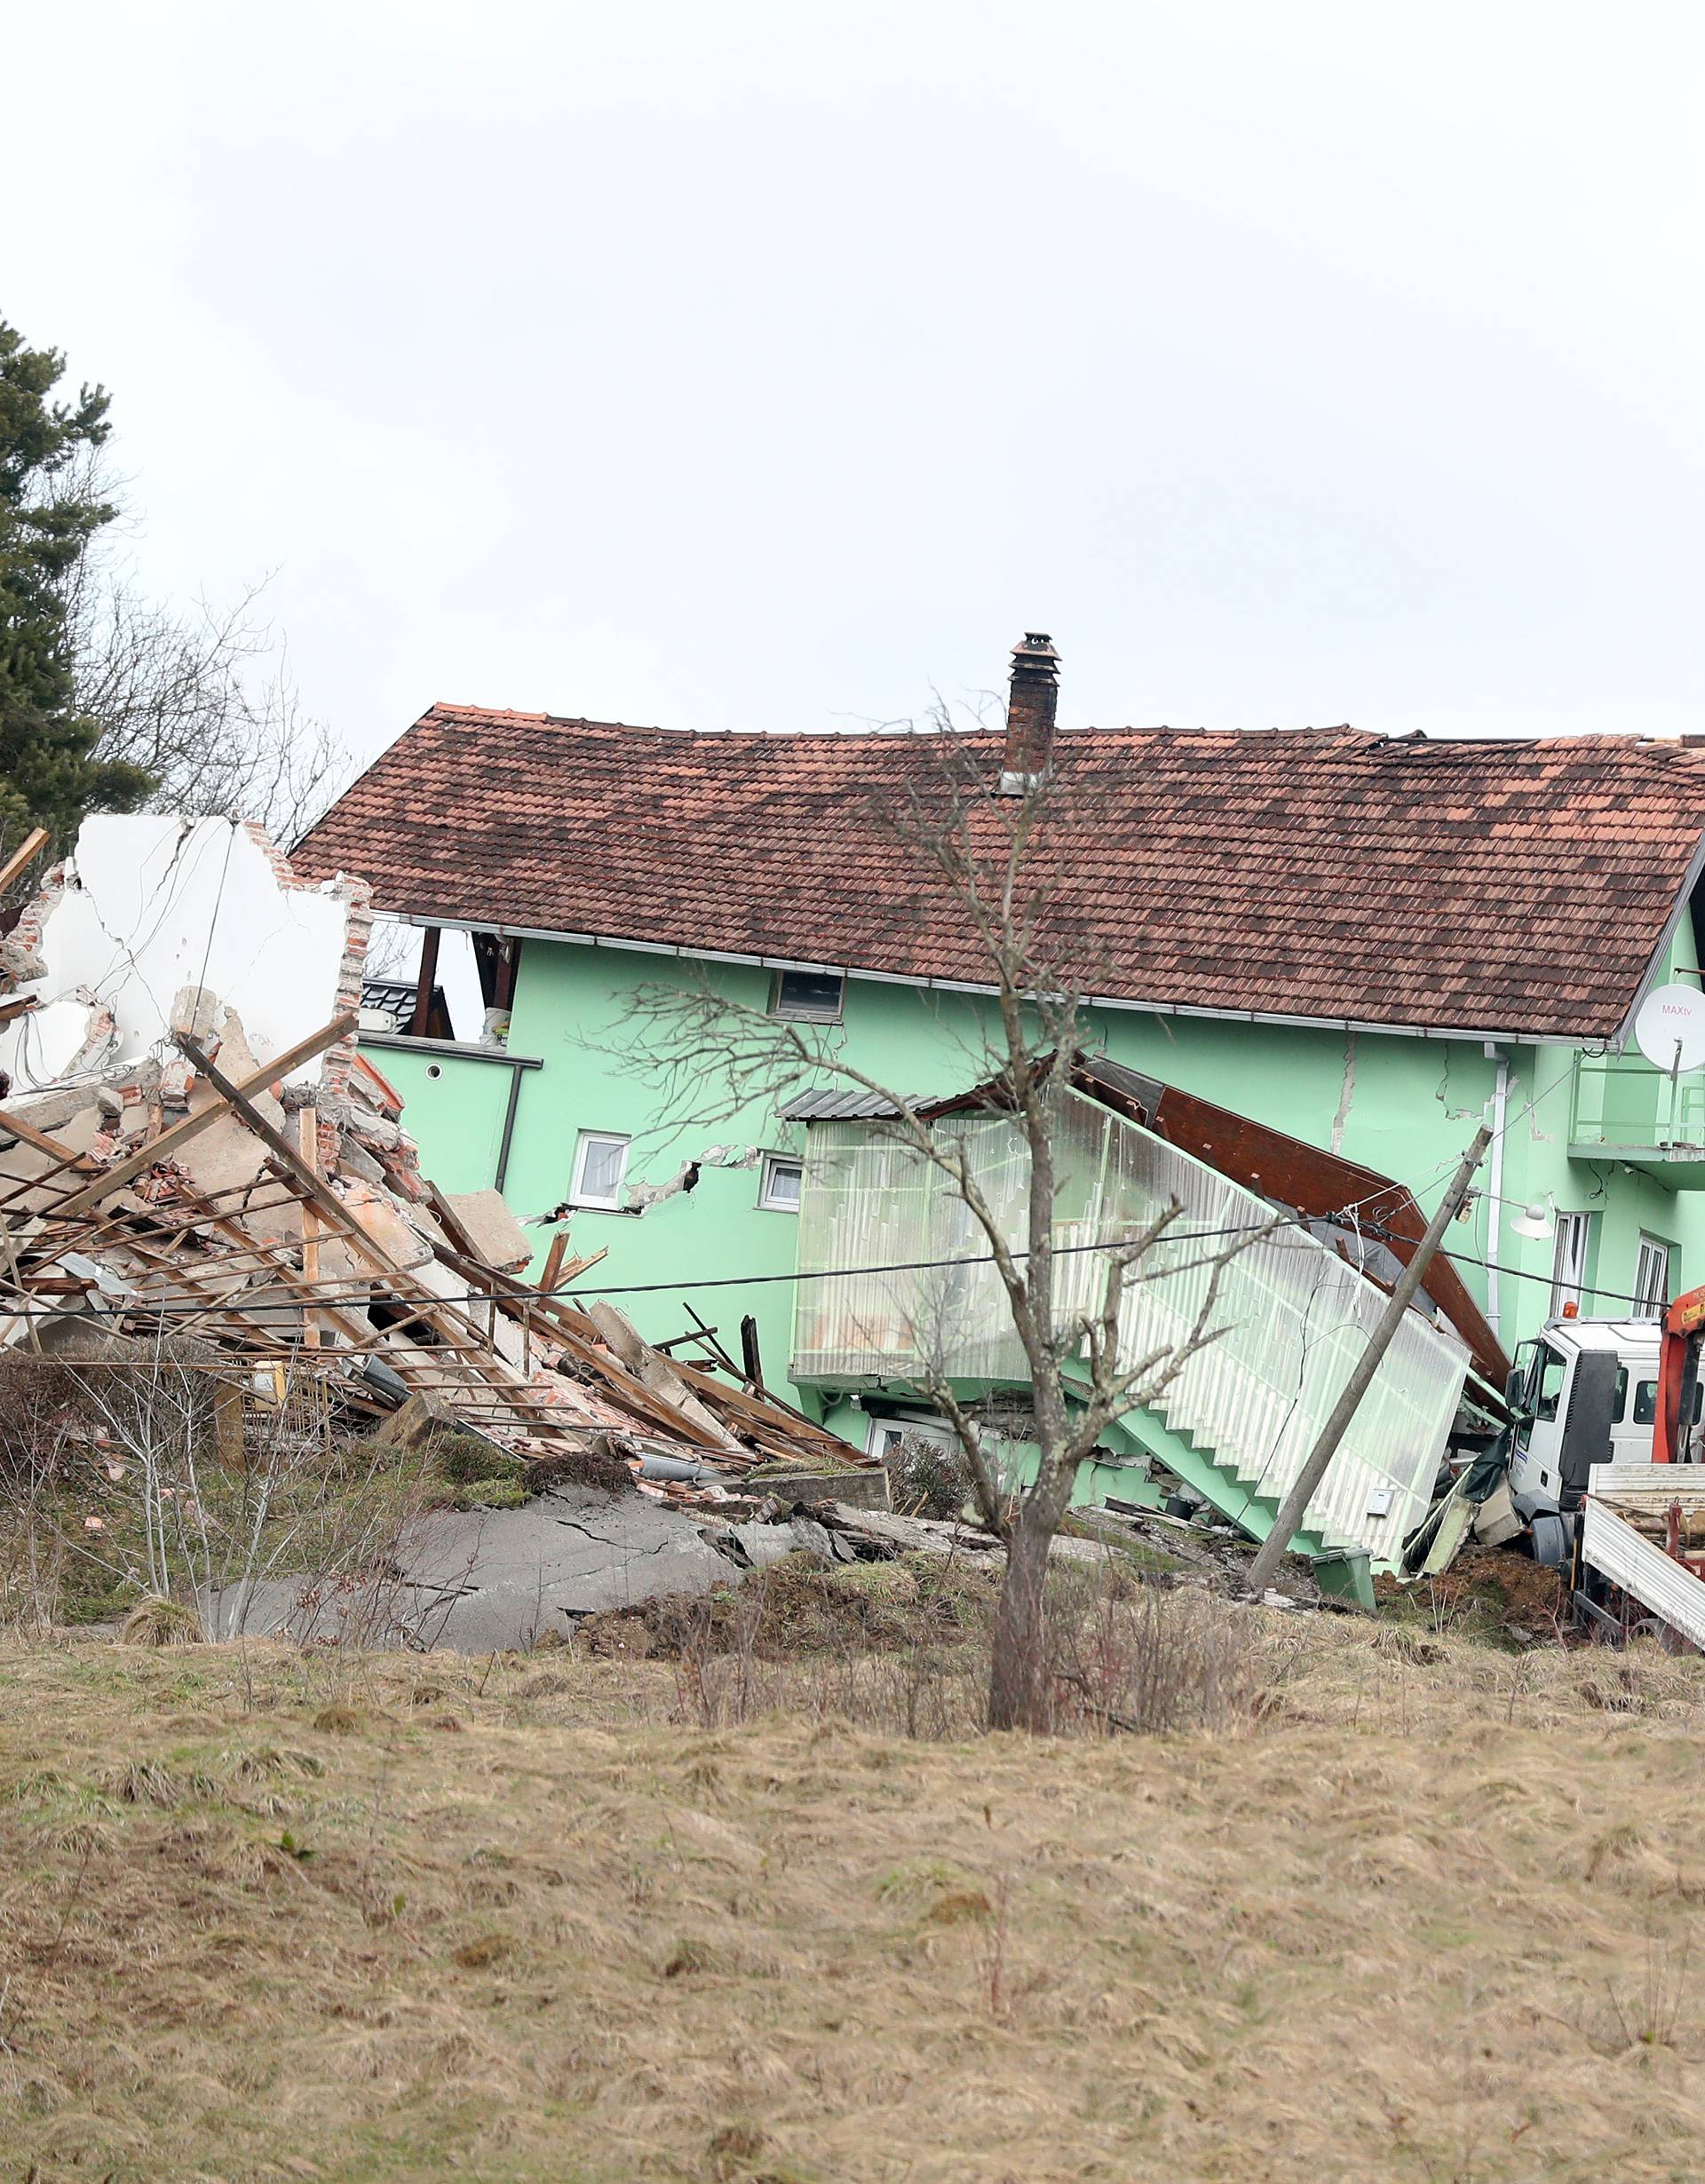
<point>156,1622</point>
<point>928,1477</point>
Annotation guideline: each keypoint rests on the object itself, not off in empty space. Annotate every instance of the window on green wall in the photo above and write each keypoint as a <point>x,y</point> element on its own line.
<point>783,1180</point>
<point>600,1162</point>
<point>808,996</point>
<point>1650,1279</point>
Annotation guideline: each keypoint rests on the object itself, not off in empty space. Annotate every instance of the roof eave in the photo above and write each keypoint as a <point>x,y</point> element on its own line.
<point>1502,1035</point>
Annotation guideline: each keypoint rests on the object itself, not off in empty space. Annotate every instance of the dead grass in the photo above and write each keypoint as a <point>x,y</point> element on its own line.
<point>1425,1911</point>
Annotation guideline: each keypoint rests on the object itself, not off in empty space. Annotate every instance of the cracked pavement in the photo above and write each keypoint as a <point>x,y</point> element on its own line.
<point>492,1578</point>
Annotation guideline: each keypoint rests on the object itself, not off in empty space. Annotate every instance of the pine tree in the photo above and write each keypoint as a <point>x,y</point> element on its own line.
<point>48,775</point>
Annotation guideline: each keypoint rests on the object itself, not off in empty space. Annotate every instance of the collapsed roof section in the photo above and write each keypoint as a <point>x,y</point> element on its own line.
<point>218,1162</point>
<point>1523,889</point>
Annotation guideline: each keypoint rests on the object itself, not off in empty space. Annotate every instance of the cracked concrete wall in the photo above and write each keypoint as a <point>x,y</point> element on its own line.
<point>642,1197</point>
<point>149,905</point>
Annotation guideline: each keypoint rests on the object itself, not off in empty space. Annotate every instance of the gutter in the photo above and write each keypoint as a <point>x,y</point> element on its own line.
<point>1473,1033</point>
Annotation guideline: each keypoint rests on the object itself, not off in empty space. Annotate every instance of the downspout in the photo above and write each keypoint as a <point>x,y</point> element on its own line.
<point>1495,1186</point>
<point>509,1127</point>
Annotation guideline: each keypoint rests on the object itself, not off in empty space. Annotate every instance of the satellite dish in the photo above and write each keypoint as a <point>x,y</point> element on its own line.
<point>1669,1030</point>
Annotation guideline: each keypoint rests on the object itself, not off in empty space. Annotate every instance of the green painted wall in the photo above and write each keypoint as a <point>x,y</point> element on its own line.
<point>454,1106</point>
<point>1404,1106</point>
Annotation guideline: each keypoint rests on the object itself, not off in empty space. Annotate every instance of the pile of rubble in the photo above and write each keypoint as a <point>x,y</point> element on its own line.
<point>192,1145</point>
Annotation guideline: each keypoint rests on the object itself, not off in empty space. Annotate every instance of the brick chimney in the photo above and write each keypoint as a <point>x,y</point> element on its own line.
<point>1030,714</point>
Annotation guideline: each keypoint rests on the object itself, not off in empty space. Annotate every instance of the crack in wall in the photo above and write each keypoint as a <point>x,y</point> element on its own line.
<point>1347,1094</point>
<point>641,1198</point>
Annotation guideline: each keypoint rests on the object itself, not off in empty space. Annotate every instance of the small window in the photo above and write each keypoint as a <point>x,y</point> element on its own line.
<point>600,1162</point>
<point>1651,1279</point>
<point>808,996</point>
<point>886,1434</point>
<point>1645,1402</point>
<point>783,1181</point>
<point>1549,1373</point>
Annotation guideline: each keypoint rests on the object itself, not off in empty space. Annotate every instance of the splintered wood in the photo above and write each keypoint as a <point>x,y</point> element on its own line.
<point>243,1222</point>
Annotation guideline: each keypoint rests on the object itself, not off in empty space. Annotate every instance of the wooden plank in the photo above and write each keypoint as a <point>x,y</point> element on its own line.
<point>454,1227</point>
<point>168,1142</point>
<point>29,1135</point>
<point>553,1259</point>
<point>360,1334</point>
<point>23,857</point>
<point>307,1132</point>
<point>768,1411</point>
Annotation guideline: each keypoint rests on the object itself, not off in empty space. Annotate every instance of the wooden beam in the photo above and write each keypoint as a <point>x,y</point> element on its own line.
<point>23,857</point>
<point>417,1023</point>
<point>764,1410</point>
<point>308,1133</point>
<point>553,1259</point>
<point>29,1135</point>
<point>168,1142</point>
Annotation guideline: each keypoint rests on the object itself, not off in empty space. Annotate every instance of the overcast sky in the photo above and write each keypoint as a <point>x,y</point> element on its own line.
<point>764,365</point>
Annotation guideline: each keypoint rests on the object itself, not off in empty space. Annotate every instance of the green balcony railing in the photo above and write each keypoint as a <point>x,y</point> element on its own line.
<point>1621,1103</point>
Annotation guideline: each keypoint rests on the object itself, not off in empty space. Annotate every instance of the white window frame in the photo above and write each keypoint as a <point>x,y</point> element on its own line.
<point>806,1015</point>
<point>768,1202</point>
<point>876,1442</point>
<point>583,1145</point>
<point>1569,1261</point>
<point>1650,1279</point>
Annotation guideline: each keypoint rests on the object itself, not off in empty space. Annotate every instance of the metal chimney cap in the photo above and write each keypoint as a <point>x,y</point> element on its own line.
<point>1037,646</point>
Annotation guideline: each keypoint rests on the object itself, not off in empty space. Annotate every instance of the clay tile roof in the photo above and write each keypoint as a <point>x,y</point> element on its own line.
<point>1521,888</point>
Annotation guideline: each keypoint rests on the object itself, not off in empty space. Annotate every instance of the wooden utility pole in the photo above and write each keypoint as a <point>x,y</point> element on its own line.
<point>1294,1507</point>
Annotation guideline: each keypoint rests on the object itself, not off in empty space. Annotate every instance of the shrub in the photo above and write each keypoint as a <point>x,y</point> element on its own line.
<point>157,1622</point>
<point>928,1477</point>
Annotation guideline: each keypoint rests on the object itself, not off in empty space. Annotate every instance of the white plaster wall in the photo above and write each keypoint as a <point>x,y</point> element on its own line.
<point>154,904</point>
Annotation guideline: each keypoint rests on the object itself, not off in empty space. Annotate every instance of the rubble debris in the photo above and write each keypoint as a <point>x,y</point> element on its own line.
<point>194,1145</point>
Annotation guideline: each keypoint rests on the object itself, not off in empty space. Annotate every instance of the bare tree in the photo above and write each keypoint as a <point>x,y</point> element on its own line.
<point>201,700</point>
<point>716,1055</point>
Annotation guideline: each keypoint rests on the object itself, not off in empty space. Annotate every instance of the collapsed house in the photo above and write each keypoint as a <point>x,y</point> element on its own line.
<point>193,1145</point>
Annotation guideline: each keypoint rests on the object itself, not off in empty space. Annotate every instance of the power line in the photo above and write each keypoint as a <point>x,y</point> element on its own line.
<point>328,1296</point>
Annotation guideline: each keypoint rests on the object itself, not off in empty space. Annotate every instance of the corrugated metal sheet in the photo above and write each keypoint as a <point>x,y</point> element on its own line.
<point>837,1106</point>
<point>1614,1547</point>
<point>1292,1316</point>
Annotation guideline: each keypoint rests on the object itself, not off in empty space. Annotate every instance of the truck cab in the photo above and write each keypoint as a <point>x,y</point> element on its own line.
<point>1584,1392</point>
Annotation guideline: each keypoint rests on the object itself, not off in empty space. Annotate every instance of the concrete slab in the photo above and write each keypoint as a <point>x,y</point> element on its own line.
<point>493,1578</point>
<point>500,1237</point>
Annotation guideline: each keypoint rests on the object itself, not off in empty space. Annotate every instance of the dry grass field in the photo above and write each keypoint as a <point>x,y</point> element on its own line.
<point>1423,1910</point>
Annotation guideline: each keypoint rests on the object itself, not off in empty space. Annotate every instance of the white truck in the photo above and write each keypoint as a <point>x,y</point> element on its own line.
<point>1604,1464</point>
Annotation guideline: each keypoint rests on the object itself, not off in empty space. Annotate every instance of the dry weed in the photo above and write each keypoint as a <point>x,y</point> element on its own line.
<point>1417,1919</point>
